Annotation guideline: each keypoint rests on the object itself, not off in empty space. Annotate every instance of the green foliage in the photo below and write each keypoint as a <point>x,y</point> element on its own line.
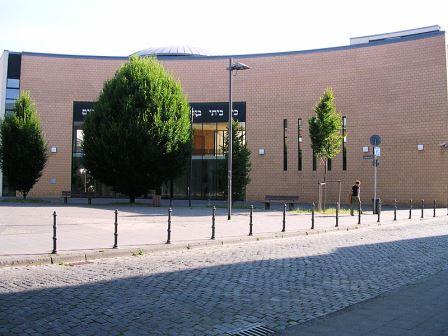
<point>138,135</point>
<point>241,165</point>
<point>325,128</point>
<point>23,150</point>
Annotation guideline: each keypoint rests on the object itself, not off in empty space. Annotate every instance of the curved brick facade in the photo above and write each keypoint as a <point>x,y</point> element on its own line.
<point>396,88</point>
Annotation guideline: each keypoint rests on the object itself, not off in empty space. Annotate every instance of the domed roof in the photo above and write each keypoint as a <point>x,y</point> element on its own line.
<point>172,51</point>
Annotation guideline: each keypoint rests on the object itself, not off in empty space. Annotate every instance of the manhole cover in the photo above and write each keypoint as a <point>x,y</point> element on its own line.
<point>252,330</point>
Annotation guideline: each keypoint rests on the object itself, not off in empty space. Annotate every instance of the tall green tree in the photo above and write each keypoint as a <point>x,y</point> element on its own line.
<point>325,129</point>
<point>23,150</point>
<point>139,131</point>
<point>241,165</point>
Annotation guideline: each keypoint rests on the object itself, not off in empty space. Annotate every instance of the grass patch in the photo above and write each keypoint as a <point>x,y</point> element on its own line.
<point>328,211</point>
<point>137,253</point>
<point>21,200</point>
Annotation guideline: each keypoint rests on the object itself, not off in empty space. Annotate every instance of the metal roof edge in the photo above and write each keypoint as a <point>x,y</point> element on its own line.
<point>270,54</point>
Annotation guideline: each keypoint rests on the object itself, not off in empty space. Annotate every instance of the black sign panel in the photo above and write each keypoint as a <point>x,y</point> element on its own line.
<point>217,112</point>
<point>81,109</point>
<point>202,112</point>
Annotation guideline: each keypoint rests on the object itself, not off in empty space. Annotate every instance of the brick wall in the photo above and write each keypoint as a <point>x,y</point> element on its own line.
<point>397,90</point>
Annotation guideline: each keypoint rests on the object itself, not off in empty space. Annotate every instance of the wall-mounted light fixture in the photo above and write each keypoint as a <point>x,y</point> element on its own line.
<point>365,149</point>
<point>420,147</point>
<point>261,151</point>
<point>54,149</point>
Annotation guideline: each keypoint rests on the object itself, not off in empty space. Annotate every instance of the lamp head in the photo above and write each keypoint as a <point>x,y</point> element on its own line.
<point>238,66</point>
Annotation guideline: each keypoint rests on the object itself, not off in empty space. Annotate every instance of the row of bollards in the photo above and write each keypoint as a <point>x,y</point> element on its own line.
<point>313,209</point>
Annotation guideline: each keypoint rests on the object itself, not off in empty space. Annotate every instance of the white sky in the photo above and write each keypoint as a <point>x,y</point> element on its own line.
<point>112,27</point>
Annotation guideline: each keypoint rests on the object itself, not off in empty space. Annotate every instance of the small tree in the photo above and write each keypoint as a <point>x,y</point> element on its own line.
<point>325,131</point>
<point>139,130</point>
<point>241,165</point>
<point>23,150</point>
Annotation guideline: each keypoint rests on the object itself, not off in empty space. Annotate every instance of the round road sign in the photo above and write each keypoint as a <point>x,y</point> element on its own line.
<point>375,140</point>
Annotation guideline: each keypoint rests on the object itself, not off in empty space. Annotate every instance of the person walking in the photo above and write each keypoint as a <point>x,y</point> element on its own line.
<point>355,197</point>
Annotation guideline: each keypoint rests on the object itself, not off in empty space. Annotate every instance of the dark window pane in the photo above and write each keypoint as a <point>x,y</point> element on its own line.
<point>344,158</point>
<point>299,146</point>
<point>329,164</point>
<point>314,162</point>
<point>285,147</point>
<point>344,148</point>
<point>14,64</point>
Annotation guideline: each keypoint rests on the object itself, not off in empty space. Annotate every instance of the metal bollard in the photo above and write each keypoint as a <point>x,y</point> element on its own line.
<point>312,216</point>
<point>284,218</point>
<point>250,219</point>
<point>434,207</point>
<point>379,211</point>
<point>423,208</point>
<point>168,241</point>
<point>410,209</point>
<point>395,210</point>
<point>213,222</point>
<point>359,212</point>
<point>116,230</point>
<point>337,214</point>
<point>54,234</point>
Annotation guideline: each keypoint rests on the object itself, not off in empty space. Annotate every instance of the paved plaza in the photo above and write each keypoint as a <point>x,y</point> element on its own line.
<point>28,229</point>
<point>278,283</point>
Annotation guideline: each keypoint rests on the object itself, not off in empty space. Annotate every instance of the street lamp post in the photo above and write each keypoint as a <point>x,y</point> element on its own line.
<point>190,173</point>
<point>232,66</point>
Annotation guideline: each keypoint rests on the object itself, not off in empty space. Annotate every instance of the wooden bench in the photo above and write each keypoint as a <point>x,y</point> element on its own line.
<point>290,200</point>
<point>81,194</point>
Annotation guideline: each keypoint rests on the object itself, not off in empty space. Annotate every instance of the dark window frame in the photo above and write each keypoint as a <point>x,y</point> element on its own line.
<point>344,147</point>
<point>299,146</point>
<point>285,145</point>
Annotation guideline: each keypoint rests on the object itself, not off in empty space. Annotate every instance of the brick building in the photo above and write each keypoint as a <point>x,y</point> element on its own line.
<point>394,85</point>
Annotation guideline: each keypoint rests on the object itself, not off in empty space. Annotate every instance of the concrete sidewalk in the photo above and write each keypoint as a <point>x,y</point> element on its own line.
<point>87,232</point>
<point>420,309</point>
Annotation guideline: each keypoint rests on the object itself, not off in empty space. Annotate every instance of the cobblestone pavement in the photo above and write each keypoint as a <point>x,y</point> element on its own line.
<point>212,291</point>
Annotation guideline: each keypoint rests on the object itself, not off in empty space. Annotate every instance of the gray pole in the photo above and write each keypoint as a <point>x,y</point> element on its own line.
<point>374,181</point>
<point>190,173</point>
<point>229,154</point>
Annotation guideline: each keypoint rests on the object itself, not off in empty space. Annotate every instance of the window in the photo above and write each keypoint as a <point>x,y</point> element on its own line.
<point>79,137</point>
<point>12,83</point>
<point>9,104</point>
<point>299,145</point>
<point>344,148</point>
<point>329,164</point>
<point>314,161</point>
<point>285,148</point>
<point>12,93</point>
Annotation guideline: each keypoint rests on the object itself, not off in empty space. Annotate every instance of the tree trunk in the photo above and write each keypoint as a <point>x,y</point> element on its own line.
<point>325,184</point>
<point>132,199</point>
<point>24,195</point>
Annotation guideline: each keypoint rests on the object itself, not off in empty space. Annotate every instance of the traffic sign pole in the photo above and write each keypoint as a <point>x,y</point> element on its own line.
<point>375,141</point>
<point>374,183</point>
